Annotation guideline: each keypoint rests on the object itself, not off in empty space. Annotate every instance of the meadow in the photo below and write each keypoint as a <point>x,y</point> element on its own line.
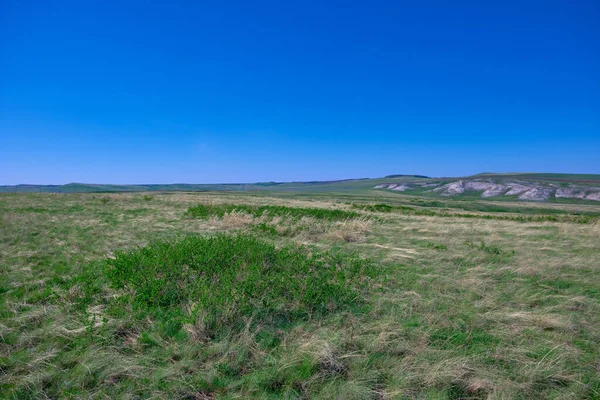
<point>237,295</point>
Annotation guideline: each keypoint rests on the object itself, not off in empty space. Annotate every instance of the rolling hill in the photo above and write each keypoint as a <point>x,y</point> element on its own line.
<point>491,186</point>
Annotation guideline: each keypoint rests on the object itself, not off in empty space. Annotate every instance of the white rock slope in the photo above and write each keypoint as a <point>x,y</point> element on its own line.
<point>524,190</point>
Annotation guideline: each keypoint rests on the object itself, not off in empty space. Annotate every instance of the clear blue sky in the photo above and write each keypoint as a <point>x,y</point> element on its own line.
<point>221,91</point>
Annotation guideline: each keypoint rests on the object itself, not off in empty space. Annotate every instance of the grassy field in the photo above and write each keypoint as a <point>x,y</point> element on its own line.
<point>242,295</point>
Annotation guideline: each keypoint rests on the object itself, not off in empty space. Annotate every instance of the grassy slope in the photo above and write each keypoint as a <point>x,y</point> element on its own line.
<point>462,308</point>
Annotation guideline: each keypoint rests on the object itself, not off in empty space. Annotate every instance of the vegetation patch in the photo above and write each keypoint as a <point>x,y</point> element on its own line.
<point>205,211</point>
<point>374,207</point>
<point>226,279</point>
<point>266,229</point>
<point>42,210</point>
<point>573,218</point>
<point>490,248</point>
<point>436,246</point>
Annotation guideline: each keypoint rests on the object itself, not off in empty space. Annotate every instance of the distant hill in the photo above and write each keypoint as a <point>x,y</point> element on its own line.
<point>401,175</point>
<point>507,186</point>
<point>515,186</point>
<point>319,186</point>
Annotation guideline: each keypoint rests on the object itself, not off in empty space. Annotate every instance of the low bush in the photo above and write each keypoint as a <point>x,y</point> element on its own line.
<point>382,207</point>
<point>436,246</point>
<point>226,279</point>
<point>491,249</point>
<point>205,211</point>
<point>266,229</point>
<point>374,207</point>
<point>569,218</point>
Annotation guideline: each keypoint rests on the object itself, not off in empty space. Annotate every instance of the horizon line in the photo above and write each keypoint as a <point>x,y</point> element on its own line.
<point>390,176</point>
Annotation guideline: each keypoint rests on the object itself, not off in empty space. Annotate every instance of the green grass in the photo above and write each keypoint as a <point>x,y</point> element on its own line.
<point>224,279</point>
<point>218,210</point>
<point>437,246</point>
<point>130,298</point>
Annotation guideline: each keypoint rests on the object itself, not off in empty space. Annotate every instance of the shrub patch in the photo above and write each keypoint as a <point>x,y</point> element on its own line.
<point>226,279</point>
<point>218,210</point>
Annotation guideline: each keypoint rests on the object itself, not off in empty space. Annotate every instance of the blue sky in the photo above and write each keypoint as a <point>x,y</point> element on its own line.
<point>202,92</point>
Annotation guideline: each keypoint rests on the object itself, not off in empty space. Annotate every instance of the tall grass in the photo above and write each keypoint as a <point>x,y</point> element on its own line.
<point>386,208</point>
<point>204,211</point>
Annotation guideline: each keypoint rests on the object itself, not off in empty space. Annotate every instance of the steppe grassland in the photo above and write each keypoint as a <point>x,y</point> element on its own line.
<point>458,308</point>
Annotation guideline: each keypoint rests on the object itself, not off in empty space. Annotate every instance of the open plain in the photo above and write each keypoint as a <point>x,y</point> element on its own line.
<point>267,295</point>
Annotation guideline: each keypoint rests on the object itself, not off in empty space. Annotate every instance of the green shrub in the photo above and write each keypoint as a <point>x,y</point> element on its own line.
<point>381,207</point>
<point>148,197</point>
<point>436,246</point>
<point>207,210</point>
<point>374,207</point>
<point>225,279</point>
<point>489,248</point>
<point>267,229</point>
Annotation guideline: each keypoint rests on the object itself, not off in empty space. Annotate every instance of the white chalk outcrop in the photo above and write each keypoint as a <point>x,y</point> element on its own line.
<point>524,190</point>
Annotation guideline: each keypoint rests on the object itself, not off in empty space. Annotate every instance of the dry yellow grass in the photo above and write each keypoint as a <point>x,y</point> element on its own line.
<point>350,230</point>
